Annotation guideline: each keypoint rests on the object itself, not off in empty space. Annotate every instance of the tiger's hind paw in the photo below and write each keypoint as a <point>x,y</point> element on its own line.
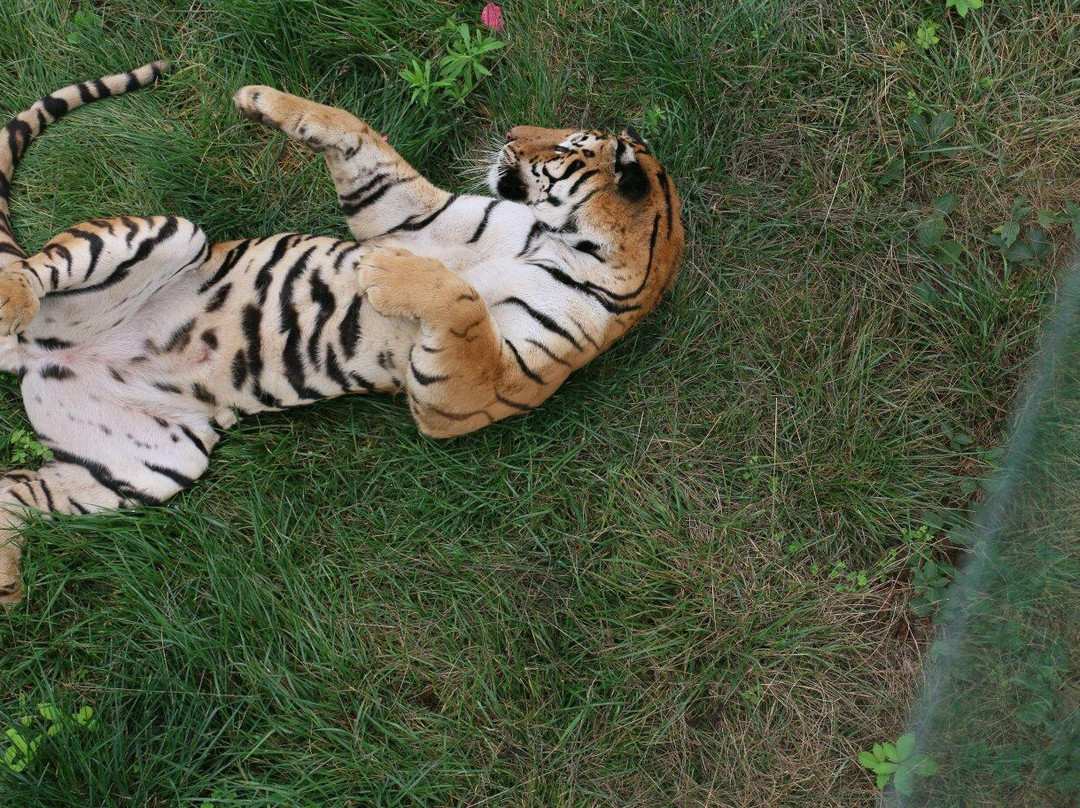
<point>18,303</point>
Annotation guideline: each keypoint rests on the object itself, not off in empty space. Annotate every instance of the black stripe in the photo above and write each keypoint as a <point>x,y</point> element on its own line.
<point>265,273</point>
<point>103,477</point>
<point>54,106</point>
<point>290,324</point>
<point>52,343</point>
<point>355,207</point>
<point>180,337</point>
<point>589,248</point>
<point>84,93</point>
<point>343,254</point>
<point>324,299</point>
<point>239,369</point>
<point>356,193</point>
<point>514,404</point>
<point>77,506</point>
<point>363,383</point>
<point>203,394</point>
<point>102,88</point>
<point>412,224</point>
<point>480,228</point>
<point>581,179</point>
<point>543,319</point>
<point>349,327</point>
<point>662,177</point>
<point>181,480</point>
<point>545,349</point>
<point>57,372</point>
<point>333,369</point>
<point>48,494</point>
<point>250,322</point>
<point>218,300</point>
<point>231,257</point>
<point>648,265</point>
<point>521,363</point>
<point>191,436</point>
<point>534,231</point>
<point>423,378</point>
<point>17,128</point>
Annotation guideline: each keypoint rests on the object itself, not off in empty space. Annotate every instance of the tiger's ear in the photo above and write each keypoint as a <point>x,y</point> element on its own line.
<point>632,134</point>
<point>632,181</point>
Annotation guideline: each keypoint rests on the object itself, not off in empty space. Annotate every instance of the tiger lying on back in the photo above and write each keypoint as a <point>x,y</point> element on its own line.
<point>136,336</point>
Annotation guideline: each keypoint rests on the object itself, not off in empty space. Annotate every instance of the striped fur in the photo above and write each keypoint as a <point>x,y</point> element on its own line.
<point>134,338</point>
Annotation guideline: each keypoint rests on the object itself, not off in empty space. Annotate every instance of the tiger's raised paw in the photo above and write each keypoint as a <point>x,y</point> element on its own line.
<point>399,283</point>
<point>316,126</point>
<point>18,303</point>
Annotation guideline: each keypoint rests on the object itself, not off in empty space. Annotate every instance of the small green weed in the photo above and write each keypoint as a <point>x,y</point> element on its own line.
<point>1033,247</point>
<point>454,76</point>
<point>85,28</point>
<point>927,134</point>
<point>896,762</point>
<point>962,7</point>
<point>25,738</point>
<point>926,35</point>
<point>23,448</point>
<point>931,231</point>
<point>929,582</point>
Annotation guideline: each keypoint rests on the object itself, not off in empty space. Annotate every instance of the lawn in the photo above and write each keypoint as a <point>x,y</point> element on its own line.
<point>686,579</point>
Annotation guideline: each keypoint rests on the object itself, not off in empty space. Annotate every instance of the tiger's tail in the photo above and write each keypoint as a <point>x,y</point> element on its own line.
<point>25,126</point>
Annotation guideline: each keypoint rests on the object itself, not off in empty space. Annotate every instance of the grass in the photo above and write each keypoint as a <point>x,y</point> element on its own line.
<point>623,598</point>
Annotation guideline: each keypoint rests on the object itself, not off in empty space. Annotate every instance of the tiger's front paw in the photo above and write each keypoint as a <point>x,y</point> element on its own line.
<point>399,283</point>
<point>18,303</point>
<point>317,126</point>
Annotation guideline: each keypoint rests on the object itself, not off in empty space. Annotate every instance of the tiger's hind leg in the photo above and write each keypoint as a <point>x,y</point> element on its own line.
<point>378,190</point>
<point>94,276</point>
<point>107,453</point>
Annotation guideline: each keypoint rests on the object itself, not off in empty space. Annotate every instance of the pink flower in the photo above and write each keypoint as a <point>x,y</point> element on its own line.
<point>491,16</point>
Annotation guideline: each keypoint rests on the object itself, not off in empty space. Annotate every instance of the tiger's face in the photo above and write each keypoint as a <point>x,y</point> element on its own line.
<point>557,170</point>
<point>607,194</point>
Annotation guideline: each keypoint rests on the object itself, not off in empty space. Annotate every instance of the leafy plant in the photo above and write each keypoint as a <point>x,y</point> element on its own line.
<point>25,742</point>
<point>652,121</point>
<point>454,76</point>
<point>926,35</point>
<point>929,582</point>
<point>927,134</point>
<point>931,232</point>
<point>964,6</point>
<point>898,763</point>
<point>1034,246</point>
<point>85,28</point>
<point>23,447</point>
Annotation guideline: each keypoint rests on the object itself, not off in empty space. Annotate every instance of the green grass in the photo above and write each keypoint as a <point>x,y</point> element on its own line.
<point>623,598</point>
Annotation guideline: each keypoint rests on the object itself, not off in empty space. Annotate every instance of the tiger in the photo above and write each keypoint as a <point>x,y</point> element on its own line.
<point>136,340</point>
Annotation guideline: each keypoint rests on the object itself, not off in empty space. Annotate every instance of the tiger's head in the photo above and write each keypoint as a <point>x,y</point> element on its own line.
<point>607,195</point>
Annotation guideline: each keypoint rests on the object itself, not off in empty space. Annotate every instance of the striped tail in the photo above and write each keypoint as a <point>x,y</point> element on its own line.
<point>25,126</point>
